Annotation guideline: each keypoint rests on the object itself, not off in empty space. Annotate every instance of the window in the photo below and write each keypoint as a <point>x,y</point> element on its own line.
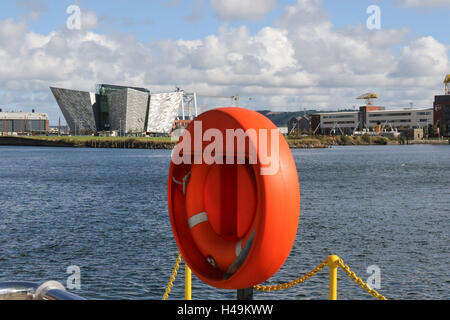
<point>339,122</point>
<point>340,116</point>
<point>392,121</point>
<point>373,115</point>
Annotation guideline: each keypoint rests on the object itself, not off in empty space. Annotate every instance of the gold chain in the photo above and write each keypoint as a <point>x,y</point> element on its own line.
<point>172,278</point>
<point>359,281</point>
<point>292,283</point>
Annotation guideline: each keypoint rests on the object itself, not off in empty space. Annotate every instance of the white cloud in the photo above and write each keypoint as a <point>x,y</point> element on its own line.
<point>423,57</point>
<point>300,61</point>
<point>231,10</point>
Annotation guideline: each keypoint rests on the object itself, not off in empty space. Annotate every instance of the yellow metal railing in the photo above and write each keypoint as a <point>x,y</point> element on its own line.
<point>332,262</point>
<point>187,283</point>
<point>333,265</point>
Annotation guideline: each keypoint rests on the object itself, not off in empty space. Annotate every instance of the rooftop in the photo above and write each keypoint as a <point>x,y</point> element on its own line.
<point>379,111</point>
<point>11,115</point>
<point>401,110</point>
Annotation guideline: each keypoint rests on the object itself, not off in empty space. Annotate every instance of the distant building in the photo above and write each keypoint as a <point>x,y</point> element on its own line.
<point>23,123</point>
<point>363,114</point>
<point>442,110</point>
<point>118,108</point>
<point>412,134</point>
<point>370,117</point>
<point>283,130</point>
<point>442,114</point>
<point>335,122</point>
<point>302,124</point>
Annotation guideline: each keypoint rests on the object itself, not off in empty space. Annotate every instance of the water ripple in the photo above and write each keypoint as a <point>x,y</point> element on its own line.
<point>106,212</point>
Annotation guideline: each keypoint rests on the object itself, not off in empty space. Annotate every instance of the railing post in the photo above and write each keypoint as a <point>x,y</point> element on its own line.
<point>245,294</point>
<point>187,283</point>
<point>333,265</point>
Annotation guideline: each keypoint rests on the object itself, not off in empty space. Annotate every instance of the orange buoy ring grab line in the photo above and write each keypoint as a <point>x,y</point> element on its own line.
<point>226,252</point>
<point>234,226</point>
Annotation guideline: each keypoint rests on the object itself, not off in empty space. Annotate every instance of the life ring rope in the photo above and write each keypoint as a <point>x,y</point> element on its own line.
<point>184,182</point>
<point>241,255</point>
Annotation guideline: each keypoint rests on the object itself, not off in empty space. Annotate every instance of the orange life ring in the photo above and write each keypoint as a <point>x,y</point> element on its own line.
<point>234,226</point>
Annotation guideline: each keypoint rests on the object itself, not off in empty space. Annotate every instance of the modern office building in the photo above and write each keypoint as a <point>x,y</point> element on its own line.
<point>344,122</point>
<point>442,110</point>
<point>347,122</point>
<point>413,118</point>
<point>370,116</point>
<point>23,123</point>
<point>126,110</point>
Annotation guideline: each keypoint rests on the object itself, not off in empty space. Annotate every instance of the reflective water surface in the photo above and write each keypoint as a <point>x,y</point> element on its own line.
<point>106,212</point>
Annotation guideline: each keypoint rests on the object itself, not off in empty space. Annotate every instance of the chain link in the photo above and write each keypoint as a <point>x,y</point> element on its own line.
<point>172,278</point>
<point>291,284</point>
<point>359,281</point>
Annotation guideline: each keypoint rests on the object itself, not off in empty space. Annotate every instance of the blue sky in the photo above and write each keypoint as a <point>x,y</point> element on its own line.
<point>420,20</point>
<point>158,19</point>
<point>148,20</point>
<point>294,54</point>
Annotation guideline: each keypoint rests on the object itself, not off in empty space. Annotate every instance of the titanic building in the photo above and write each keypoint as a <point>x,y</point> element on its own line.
<point>118,108</point>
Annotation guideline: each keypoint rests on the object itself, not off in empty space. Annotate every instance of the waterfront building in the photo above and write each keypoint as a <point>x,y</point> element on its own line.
<point>412,134</point>
<point>344,122</point>
<point>376,117</point>
<point>412,118</point>
<point>125,110</point>
<point>369,117</point>
<point>442,109</point>
<point>77,108</point>
<point>23,123</point>
<point>302,124</point>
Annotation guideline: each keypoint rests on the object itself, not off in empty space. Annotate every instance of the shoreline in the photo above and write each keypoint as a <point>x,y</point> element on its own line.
<point>89,142</point>
<point>320,142</point>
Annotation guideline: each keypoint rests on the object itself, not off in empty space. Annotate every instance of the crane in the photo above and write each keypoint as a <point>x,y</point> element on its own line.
<point>447,84</point>
<point>368,97</point>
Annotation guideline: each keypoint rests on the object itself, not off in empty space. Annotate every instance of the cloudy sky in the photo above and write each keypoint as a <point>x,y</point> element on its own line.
<point>283,55</point>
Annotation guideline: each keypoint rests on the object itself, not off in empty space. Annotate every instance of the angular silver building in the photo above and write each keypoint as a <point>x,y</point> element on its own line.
<point>122,109</point>
<point>163,111</point>
<point>77,108</point>
<point>128,110</point>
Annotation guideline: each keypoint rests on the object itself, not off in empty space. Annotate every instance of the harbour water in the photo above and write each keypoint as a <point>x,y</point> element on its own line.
<point>105,211</point>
